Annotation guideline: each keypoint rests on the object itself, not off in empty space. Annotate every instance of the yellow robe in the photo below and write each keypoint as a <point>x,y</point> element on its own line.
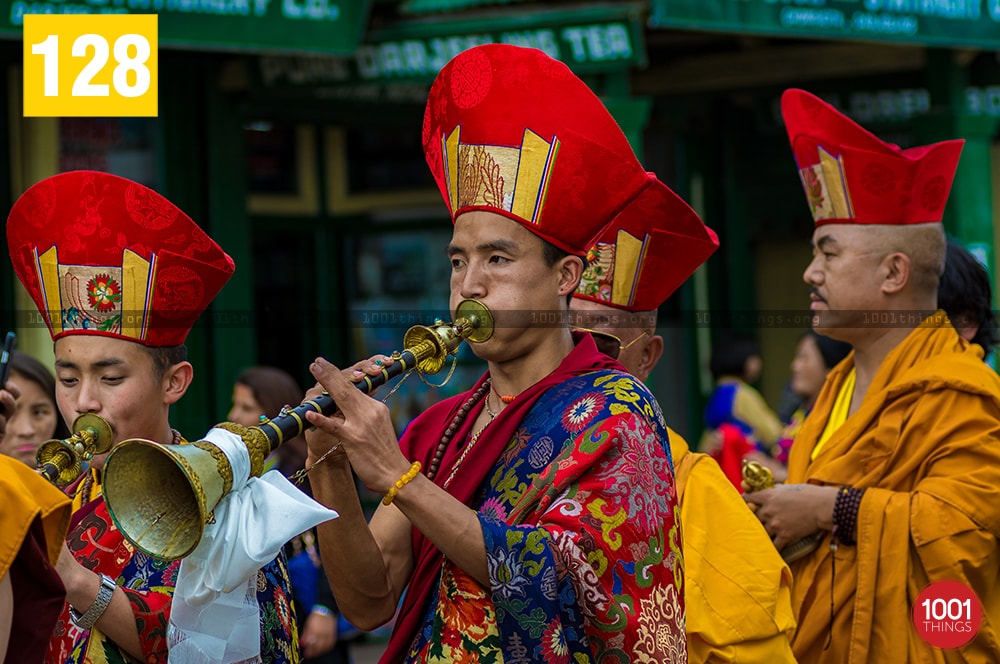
<point>737,589</point>
<point>925,443</point>
<point>27,496</point>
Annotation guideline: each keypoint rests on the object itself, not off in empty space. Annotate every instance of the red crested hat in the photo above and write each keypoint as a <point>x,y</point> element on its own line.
<point>851,176</point>
<point>647,252</point>
<point>103,255</point>
<point>510,130</point>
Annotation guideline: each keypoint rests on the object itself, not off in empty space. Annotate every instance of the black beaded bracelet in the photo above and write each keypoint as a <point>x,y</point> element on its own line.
<point>845,513</point>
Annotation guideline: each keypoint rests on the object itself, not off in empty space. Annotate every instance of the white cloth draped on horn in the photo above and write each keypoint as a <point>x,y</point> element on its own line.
<point>214,615</point>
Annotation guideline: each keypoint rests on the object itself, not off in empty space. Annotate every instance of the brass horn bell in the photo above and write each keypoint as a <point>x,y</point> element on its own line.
<point>188,481</point>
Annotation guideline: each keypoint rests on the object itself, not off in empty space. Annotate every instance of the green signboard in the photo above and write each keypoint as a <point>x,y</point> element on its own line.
<point>397,64</point>
<point>289,26</point>
<point>955,23</point>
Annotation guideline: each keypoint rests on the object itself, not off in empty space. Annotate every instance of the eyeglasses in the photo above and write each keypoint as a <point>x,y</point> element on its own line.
<point>608,343</point>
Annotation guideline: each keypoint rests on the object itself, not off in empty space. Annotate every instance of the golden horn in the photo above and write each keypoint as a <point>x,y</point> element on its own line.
<point>61,461</point>
<point>161,496</point>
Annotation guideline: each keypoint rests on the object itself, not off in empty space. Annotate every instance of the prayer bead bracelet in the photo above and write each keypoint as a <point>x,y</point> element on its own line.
<point>845,513</point>
<point>401,482</point>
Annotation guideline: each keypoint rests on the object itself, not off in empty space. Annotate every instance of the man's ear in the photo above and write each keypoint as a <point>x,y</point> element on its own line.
<point>570,271</point>
<point>652,351</point>
<point>896,276</point>
<point>176,381</point>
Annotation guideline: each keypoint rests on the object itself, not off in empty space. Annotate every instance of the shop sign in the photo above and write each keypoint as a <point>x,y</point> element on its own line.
<point>286,26</point>
<point>955,23</point>
<point>900,105</point>
<point>396,64</point>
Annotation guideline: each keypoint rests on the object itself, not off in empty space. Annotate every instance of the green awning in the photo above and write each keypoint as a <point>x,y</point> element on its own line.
<point>955,23</point>
<point>436,6</point>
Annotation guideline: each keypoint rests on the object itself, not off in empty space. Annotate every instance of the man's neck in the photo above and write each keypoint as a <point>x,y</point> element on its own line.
<point>869,355</point>
<point>516,375</point>
<point>871,349</point>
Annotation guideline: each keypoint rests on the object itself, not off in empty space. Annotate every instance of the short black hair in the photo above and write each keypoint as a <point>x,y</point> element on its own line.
<point>166,357</point>
<point>730,354</point>
<point>553,254</point>
<point>965,294</point>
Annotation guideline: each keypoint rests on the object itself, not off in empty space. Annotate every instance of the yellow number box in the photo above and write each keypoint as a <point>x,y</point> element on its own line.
<point>102,65</point>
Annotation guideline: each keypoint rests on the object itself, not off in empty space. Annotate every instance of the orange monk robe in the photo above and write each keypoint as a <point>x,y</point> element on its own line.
<point>27,496</point>
<point>33,522</point>
<point>925,443</point>
<point>737,588</point>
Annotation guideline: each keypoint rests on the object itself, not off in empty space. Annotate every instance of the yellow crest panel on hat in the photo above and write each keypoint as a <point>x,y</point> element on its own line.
<point>826,188</point>
<point>512,179</point>
<point>105,298</point>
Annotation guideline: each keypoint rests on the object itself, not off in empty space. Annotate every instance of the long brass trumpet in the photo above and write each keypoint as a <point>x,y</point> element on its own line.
<point>61,461</point>
<point>161,496</point>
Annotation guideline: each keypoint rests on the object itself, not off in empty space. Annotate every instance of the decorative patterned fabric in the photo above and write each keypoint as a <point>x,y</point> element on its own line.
<point>497,136</point>
<point>581,525</point>
<point>647,252</point>
<point>98,545</point>
<point>103,255</point>
<point>851,176</point>
<point>420,441</point>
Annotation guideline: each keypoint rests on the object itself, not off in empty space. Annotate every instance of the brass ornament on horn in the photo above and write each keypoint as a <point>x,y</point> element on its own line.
<point>61,461</point>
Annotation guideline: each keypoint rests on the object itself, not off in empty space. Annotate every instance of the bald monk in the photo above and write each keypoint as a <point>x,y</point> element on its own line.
<point>899,461</point>
<point>737,589</point>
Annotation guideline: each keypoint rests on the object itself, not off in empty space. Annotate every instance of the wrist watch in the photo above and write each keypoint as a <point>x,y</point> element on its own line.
<point>96,610</point>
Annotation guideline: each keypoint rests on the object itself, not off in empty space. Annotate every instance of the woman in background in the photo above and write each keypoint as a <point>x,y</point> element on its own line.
<point>738,420</point>
<point>36,418</point>
<point>815,356</point>
<point>261,392</point>
<point>736,364</point>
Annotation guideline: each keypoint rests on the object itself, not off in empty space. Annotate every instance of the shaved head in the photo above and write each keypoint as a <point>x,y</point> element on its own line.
<point>924,244</point>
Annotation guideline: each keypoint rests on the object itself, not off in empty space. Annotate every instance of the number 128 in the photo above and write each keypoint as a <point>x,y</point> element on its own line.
<point>83,85</point>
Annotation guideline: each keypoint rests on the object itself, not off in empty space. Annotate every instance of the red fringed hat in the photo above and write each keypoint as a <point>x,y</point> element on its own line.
<point>647,252</point>
<point>103,255</point>
<point>510,130</point>
<point>851,176</point>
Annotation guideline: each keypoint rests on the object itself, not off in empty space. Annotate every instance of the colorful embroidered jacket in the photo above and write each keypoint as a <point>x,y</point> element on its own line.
<point>581,525</point>
<point>149,584</point>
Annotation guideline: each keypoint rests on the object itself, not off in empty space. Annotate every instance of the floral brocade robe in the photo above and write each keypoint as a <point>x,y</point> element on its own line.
<point>582,533</point>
